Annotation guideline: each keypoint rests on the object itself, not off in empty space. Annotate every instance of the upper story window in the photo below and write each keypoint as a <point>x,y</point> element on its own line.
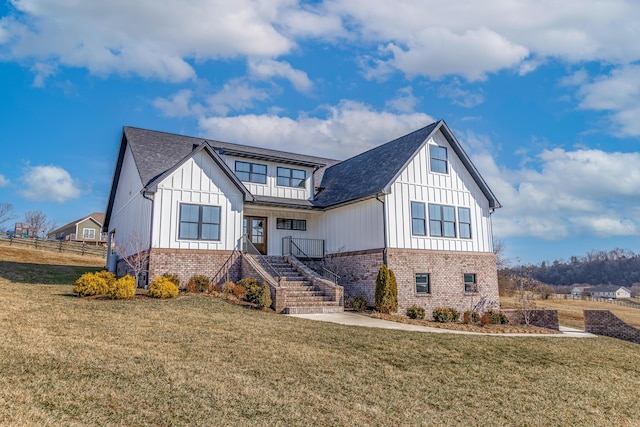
<point>199,222</point>
<point>439,162</point>
<point>442,221</point>
<point>464,219</point>
<point>291,177</point>
<point>251,172</point>
<point>88,233</point>
<point>291,224</point>
<point>418,219</point>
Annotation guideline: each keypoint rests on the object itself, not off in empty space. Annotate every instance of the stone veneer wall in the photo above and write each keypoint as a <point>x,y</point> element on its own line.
<point>542,318</point>
<point>358,272</point>
<point>188,262</point>
<point>603,322</point>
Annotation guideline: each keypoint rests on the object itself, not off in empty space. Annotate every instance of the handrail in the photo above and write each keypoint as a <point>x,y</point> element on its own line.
<point>326,273</point>
<point>215,279</point>
<point>250,249</point>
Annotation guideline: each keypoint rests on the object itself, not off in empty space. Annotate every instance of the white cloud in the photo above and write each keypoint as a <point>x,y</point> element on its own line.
<point>404,102</point>
<point>235,95</point>
<point>48,183</point>
<point>267,68</point>
<point>462,97</point>
<point>347,129</point>
<point>4,181</point>
<point>562,193</point>
<point>178,105</point>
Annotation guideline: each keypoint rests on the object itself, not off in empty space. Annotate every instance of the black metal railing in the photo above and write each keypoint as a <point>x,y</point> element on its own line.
<point>297,252</point>
<point>303,248</point>
<point>223,274</point>
<point>249,249</point>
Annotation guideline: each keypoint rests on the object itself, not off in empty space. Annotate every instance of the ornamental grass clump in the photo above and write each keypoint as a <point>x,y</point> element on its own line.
<point>123,288</point>
<point>161,287</point>
<point>470,316</point>
<point>90,284</point>
<point>386,291</point>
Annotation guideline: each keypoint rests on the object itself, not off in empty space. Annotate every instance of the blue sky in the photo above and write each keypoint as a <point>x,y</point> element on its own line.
<point>544,96</point>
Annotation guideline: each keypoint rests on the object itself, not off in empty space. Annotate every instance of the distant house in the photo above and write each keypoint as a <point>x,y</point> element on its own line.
<point>608,291</point>
<point>87,229</point>
<point>578,290</point>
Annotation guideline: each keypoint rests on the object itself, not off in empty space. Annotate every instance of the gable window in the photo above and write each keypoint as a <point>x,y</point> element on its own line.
<point>423,284</point>
<point>251,172</point>
<point>199,222</point>
<point>88,233</point>
<point>439,161</point>
<point>470,284</point>
<point>418,219</point>
<point>291,224</point>
<point>442,221</point>
<point>464,225</point>
<point>291,177</point>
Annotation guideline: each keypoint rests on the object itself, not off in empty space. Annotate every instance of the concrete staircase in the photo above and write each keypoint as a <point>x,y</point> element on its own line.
<point>301,296</point>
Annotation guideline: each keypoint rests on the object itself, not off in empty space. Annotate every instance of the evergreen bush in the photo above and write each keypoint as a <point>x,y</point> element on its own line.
<point>359,303</point>
<point>161,287</point>
<point>470,316</point>
<point>91,284</point>
<point>445,315</point>
<point>415,312</point>
<point>386,296</point>
<point>173,277</point>
<point>198,283</point>
<point>260,295</point>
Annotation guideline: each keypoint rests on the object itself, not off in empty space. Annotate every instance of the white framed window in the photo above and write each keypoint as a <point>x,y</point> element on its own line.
<point>89,233</point>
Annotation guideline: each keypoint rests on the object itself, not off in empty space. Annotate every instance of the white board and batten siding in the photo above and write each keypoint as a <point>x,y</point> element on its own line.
<point>456,188</point>
<point>271,188</point>
<point>198,181</point>
<point>131,213</point>
<point>353,227</point>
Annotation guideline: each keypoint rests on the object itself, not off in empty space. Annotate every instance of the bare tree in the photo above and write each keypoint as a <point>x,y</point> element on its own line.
<point>499,248</point>
<point>6,213</point>
<point>39,224</point>
<point>525,290</point>
<point>138,256</point>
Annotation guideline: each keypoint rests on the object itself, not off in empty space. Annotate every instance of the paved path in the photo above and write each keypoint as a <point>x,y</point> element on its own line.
<point>353,319</point>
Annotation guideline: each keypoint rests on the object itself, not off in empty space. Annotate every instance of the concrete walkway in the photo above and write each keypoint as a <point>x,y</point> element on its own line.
<point>354,319</point>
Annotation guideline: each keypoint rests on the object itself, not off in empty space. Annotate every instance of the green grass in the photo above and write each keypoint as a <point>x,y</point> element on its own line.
<point>197,360</point>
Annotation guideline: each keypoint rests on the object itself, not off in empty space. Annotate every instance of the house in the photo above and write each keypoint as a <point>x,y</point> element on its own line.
<point>608,291</point>
<point>416,203</point>
<point>87,229</point>
<point>578,290</point>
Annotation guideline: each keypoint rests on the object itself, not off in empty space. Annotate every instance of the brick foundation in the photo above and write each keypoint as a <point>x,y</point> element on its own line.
<point>603,322</point>
<point>189,262</point>
<point>358,271</point>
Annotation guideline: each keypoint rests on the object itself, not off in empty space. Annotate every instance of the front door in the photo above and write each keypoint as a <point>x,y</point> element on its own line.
<point>256,230</point>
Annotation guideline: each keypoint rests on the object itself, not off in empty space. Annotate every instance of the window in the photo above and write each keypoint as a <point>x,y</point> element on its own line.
<point>251,172</point>
<point>442,221</point>
<point>291,224</point>
<point>291,177</point>
<point>464,218</point>
<point>418,219</point>
<point>470,285</point>
<point>199,222</point>
<point>423,285</point>
<point>88,233</point>
<point>438,159</point>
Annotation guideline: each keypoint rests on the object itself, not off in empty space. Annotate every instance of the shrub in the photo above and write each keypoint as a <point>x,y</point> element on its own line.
<point>470,316</point>
<point>173,277</point>
<point>123,288</point>
<point>234,289</point>
<point>445,315</point>
<point>198,283</point>
<point>386,291</point>
<point>108,277</point>
<point>260,295</point>
<point>161,287</point>
<point>491,317</point>
<point>359,303</point>
<point>415,312</point>
<point>91,284</point>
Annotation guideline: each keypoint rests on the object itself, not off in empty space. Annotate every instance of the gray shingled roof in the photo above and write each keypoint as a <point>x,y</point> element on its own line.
<point>371,172</point>
<point>96,216</point>
<point>605,288</point>
<point>156,152</point>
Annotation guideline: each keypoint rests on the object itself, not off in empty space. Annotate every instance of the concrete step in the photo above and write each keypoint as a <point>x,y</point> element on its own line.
<point>313,310</point>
